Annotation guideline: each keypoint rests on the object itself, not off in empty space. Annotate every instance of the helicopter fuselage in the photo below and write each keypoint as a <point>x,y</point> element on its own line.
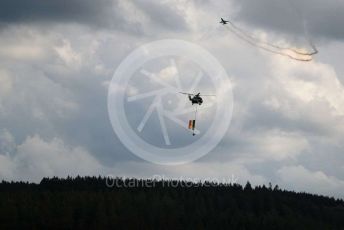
<point>196,99</point>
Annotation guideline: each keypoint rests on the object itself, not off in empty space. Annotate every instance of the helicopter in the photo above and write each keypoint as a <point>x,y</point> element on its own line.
<point>196,98</point>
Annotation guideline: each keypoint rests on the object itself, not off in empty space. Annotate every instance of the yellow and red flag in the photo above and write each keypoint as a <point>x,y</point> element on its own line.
<point>192,124</point>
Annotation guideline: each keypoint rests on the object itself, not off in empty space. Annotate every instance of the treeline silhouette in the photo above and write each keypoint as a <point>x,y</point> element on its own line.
<point>106,203</point>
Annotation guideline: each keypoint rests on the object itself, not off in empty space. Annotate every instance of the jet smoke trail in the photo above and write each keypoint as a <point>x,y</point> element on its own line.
<point>276,49</point>
<point>298,13</point>
<point>305,28</point>
<point>257,40</point>
<point>267,46</point>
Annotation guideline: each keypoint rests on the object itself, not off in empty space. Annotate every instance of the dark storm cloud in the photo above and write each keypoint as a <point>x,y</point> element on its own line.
<point>324,18</point>
<point>80,11</point>
<point>110,14</point>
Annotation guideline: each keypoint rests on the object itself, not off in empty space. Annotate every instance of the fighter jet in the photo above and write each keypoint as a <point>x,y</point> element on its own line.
<point>224,22</point>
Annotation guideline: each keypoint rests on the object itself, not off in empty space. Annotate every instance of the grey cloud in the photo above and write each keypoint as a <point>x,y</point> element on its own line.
<point>108,14</point>
<point>54,98</point>
<point>85,11</point>
<point>36,158</point>
<point>163,14</point>
<point>324,18</point>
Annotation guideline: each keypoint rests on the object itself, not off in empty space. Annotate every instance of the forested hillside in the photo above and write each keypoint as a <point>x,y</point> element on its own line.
<point>95,203</point>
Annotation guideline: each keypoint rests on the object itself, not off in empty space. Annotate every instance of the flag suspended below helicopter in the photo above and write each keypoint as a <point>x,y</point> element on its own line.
<point>192,124</point>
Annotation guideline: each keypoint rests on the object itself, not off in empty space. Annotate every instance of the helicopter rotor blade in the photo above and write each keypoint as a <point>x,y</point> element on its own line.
<point>190,94</point>
<point>208,95</point>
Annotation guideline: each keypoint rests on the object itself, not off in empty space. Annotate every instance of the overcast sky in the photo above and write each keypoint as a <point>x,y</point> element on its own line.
<point>57,58</point>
